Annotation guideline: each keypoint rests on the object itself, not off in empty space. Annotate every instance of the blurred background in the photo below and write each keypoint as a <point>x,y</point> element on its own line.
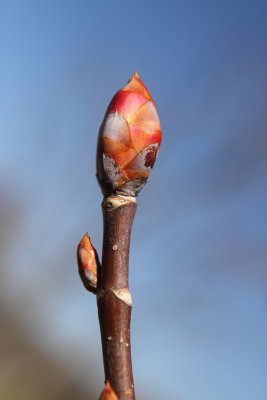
<point>199,244</point>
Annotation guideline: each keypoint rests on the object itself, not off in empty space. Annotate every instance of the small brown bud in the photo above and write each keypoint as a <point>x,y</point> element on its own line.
<point>108,393</point>
<point>87,263</point>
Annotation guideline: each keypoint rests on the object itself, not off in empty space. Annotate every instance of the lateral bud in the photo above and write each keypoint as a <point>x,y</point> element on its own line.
<point>88,263</point>
<point>108,393</point>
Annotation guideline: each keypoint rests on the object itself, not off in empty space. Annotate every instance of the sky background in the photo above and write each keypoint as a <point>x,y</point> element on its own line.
<point>198,257</point>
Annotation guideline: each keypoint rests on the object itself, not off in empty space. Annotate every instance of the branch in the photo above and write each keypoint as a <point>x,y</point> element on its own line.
<point>114,299</point>
<point>128,145</point>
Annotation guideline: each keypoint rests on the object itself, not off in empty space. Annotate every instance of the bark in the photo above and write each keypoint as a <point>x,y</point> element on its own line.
<point>114,299</point>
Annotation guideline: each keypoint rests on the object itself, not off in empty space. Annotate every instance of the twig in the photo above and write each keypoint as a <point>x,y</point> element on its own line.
<point>114,298</point>
<point>128,145</point>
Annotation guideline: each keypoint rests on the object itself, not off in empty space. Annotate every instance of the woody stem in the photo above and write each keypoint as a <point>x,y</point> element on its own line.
<point>114,299</point>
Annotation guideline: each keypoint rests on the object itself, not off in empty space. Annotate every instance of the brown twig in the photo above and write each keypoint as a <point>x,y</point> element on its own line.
<point>128,144</point>
<point>114,299</point>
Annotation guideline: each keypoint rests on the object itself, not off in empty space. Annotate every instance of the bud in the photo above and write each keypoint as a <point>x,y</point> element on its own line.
<point>129,140</point>
<point>108,393</point>
<point>87,262</point>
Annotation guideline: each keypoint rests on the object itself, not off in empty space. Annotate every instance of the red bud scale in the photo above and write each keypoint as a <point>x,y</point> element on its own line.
<point>129,140</point>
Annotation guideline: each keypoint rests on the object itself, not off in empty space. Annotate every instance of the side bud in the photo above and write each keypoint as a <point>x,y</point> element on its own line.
<point>108,393</point>
<point>129,140</point>
<point>87,263</point>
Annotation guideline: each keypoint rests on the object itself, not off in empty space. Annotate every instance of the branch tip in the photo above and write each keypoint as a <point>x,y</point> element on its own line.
<point>129,140</point>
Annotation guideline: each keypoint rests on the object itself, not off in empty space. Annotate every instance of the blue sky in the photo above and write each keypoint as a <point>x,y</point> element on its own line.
<point>198,255</point>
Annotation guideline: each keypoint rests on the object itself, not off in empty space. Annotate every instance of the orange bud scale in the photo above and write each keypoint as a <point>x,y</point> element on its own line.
<point>87,262</point>
<point>108,393</point>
